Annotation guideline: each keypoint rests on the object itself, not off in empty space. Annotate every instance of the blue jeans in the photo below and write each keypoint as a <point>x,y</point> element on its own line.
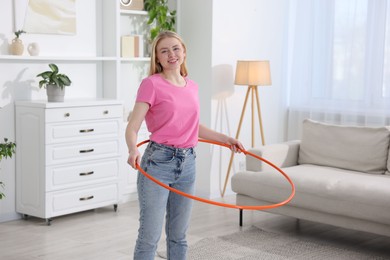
<point>176,168</point>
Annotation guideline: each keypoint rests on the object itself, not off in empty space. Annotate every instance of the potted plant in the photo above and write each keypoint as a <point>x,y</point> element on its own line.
<point>55,83</point>
<point>160,17</point>
<point>7,149</point>
<point>17,46</point>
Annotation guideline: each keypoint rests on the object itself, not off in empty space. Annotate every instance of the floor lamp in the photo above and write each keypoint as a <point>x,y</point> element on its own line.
<point>251,74</point>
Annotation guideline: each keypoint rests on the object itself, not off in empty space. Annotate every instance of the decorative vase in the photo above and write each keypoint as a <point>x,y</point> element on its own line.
<point>55,93</point>
<point>33,49</point>
<point>17,47</point>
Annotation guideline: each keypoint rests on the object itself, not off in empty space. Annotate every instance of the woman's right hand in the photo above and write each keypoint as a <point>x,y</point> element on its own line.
<point>134,158</point>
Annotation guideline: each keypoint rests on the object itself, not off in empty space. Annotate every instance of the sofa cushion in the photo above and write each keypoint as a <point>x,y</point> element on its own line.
<point>323,189</point>
<point>282,155</point>
<point>353,148</point>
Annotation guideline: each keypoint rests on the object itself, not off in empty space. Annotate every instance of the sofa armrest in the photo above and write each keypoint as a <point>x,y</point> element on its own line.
<point>282,155</point>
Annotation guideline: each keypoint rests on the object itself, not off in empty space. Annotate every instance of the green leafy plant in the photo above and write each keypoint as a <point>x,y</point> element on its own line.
<point>53,78</point>
<point>7,149</point>
<point>18,33</point>
<point>160,17</point>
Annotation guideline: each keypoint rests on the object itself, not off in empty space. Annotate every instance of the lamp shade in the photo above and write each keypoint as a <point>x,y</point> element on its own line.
<point>253,73</point>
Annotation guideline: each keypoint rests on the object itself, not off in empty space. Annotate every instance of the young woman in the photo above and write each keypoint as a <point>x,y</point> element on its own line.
<point>168,101</point>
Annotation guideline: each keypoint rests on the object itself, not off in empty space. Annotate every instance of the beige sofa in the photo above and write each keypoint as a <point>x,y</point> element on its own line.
<point>341,174</point>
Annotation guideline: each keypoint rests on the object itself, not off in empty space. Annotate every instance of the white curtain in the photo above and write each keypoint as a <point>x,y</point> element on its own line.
<point>338,63</point>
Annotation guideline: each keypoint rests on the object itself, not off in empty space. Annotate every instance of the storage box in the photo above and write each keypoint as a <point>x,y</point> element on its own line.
<point>132,4</point>
<point>132,46</point>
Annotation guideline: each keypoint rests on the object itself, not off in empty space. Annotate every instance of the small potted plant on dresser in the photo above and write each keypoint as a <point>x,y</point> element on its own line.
<point>7,149</point>
<point>55,83</point>
<point>17,47</point>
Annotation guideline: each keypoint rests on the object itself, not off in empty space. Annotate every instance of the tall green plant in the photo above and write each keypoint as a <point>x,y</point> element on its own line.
<point>160,17</point>
<point>7,149</point>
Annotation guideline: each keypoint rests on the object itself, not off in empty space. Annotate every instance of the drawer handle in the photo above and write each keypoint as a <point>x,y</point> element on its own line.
<point>86,173</point>
<point>67,115</point>
<point>105,112</point>
<point>87,151</point>
<point>87,130</point>
<point>86,198</point>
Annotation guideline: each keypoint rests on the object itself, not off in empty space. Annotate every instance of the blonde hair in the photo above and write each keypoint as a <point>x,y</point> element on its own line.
<point>156,67</point>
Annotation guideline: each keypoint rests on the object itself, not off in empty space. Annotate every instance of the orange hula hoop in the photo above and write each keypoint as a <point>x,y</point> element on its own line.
<point>226,205</point>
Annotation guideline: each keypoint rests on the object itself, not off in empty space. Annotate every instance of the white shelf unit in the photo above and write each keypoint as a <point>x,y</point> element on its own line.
<point>133,12</point>
<point>54,58</point>
<point>127,72</point>
<point>130,72</point>
<point>68,156</point>
<point>116,76</point>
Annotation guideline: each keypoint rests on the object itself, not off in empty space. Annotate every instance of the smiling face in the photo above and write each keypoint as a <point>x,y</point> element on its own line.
<point>170,53</point>
<point>162,45</point>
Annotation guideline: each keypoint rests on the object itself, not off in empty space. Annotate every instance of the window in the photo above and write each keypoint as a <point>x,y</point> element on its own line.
<point>339,55</point>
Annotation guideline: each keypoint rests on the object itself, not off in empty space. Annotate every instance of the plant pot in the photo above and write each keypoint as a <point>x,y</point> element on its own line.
<point>55,93</point>
<point>17,47</point>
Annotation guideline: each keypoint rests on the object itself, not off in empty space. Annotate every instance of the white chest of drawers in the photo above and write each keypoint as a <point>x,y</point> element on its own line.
<point>68,156</point>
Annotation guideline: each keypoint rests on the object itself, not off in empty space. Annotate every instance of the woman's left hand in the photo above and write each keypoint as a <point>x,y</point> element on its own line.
<point>235,145</point>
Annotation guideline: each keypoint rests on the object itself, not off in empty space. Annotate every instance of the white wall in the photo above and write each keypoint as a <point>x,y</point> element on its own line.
<point>195,20</point>
<point>240,30</point>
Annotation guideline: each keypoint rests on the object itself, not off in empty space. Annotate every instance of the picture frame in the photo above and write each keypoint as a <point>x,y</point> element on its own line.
<point>47,18</point>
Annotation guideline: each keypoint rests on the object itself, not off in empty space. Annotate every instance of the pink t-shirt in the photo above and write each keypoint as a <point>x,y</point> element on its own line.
<point>173,116</point>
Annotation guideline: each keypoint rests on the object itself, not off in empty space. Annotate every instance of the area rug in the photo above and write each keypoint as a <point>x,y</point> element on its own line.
<point>255,243</point>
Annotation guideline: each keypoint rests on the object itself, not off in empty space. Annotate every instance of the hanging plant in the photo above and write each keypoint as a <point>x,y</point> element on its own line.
<point>7,149</point>
<point>160,17</point>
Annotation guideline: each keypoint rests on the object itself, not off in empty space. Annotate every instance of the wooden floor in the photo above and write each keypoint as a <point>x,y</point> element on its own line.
<point>105,234</point>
